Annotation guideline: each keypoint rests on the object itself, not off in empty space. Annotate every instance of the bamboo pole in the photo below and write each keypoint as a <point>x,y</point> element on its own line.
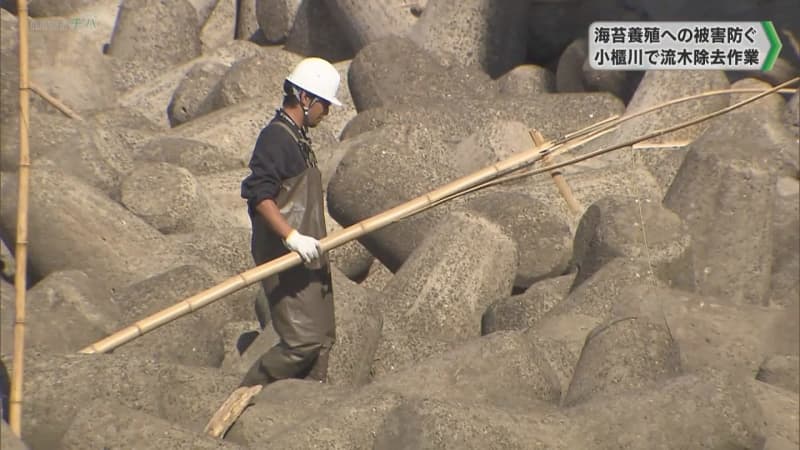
<point>15,402</point>
<point>481,178</point>
<point>58,104</point>
<point>558,177</point>
<point>292,259</point>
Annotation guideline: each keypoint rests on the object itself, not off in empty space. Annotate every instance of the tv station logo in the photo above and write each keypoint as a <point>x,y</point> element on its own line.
<point>683,45</point>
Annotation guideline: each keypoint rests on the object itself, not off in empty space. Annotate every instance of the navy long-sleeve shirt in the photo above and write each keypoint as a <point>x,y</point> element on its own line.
<point>276,156</point>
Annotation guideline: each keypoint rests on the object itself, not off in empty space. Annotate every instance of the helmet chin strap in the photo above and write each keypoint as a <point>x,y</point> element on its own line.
<point>297,92</point>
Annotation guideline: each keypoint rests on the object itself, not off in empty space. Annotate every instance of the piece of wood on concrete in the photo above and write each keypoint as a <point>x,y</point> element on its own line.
<point>558,177</point>
<point>230,410</point>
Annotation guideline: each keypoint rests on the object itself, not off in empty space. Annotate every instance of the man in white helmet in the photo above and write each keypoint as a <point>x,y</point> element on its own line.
<point>285,203</point>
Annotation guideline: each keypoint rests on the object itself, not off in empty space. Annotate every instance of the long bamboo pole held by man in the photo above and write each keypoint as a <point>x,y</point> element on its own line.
<point>15,402</point>
<point>482,178</point>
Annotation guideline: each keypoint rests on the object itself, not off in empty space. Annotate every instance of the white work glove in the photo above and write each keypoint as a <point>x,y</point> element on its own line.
<point>306,246</point>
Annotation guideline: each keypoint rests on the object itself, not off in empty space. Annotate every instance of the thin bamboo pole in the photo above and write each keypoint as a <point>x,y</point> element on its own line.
<point>615,120</point>
<point>15,402</point>
<point>663,131</point>
<point>447,192</point>
<point>558,177</point>
<point>58,104</point>
<point>611,126</point>
<point>608,125</point>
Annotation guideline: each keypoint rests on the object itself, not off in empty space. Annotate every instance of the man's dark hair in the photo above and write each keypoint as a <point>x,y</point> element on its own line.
<point>289,99</point>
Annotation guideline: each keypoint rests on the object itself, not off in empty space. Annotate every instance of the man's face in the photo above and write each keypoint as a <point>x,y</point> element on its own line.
<point>317,111</point>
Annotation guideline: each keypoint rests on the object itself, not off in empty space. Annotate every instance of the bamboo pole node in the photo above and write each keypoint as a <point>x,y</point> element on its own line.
<point>558,177</point>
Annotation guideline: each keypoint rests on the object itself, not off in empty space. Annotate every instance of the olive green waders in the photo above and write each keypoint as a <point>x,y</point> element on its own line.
<point>300,299</point>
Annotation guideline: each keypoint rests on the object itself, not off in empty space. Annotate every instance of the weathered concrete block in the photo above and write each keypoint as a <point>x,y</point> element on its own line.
<point>275,18</point>
<point>378,276</point>
<point>353,259</point>
<point>363,24</point>
<point>233,130</point>
<point>552,26</point>
<point>102,425</point>
<point>225,249</point>
<point>661,86</point>
<point>65,312</point>
<point>59,387</point>
<point>443,423</point>
<point>521,311</point>
<point>164,195</point>
<point>597,296</point>
<point>359,189</point>
<point>784,283</point>
<point>191,98</point>
<point>724,191</point>
<point>542,238</point>
<point>221,192</point>
<point>444,288</point>
<point>247,22</point>
<point>9,440</point>
<point>395,70</point>
<point>792,114</point>
<point>620,83</point>
<point>50,8</point>
<point>316,32</point>
<point>504,369</point>
<point>604,424</point>
<point>283,404</point>
<point>152,96</point>
<point>260,75</point>
<point>66,60</point>
<point>724,412</point>
<point>474,33</point>
<point>780,408</point>
<point>569,71</point>
<point>80,228</point>
<point>81,149</point>
<point>350,422</point>
<point>632,228</point>
<point>765,118</point>
<point>782,371</point>
<point>220,27</point>
<point>661,161</point>
<point>624,354</point>
<point>421,161</point>
<point>575,74</point>
<point>197,157</point>
<point>526,80</point>
<point>7,316</point>
<point>709,332</point>
<point>238,336</point>
<point>162,35</point>
<point>358,332</point>
<point>8,265</point>
<point>495,142</point>
<point>194,339</point>
<point>241,361</point>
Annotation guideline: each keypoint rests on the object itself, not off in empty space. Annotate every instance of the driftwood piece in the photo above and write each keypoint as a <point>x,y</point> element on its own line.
<point>558,177</point>
<point>230,410</point>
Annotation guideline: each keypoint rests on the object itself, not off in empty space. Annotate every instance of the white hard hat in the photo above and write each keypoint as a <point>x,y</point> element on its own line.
<point>318,77</point>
